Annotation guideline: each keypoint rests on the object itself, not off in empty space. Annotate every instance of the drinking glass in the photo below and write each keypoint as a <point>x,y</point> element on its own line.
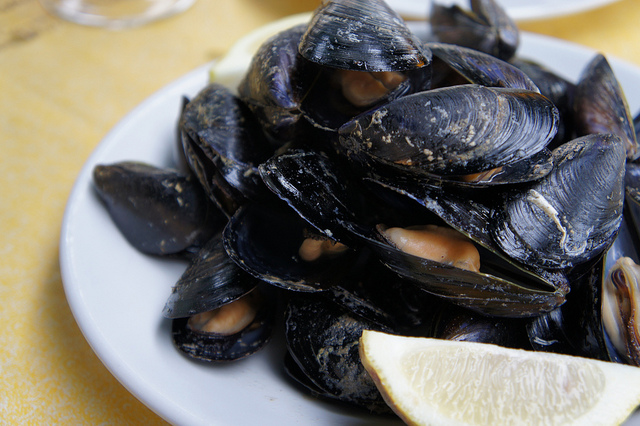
<point>115,14</point>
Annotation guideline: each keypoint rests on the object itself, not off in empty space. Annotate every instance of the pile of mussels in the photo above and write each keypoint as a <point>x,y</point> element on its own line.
<point>362,178</point>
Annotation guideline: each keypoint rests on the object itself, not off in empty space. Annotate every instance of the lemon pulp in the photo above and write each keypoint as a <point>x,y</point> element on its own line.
<point>432,381</point>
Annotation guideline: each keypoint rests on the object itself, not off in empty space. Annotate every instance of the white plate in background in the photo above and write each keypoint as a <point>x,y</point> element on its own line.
<point>519,10</point>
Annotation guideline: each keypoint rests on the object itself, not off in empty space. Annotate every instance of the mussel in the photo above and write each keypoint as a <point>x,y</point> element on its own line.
<point>620,308</point>
<point>361,35</point>
<point>358,54</point>
<point>485,27</point>
<point>558,90</point>
<point>159,211</point>
<point>572,214</point>
<point>219,312</point>
<point>270,85</point>
<point>223,144</point>
<point>601,107</point>
<point>482,68</point>
<point>455,130</point>
<point>322,340</point>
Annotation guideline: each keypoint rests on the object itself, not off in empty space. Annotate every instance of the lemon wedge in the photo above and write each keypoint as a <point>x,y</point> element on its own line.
<point>230,69</point>
<point>433,382</point>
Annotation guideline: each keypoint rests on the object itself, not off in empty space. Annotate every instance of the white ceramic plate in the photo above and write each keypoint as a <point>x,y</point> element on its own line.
<point>117,294</point>
<point>519,10</point>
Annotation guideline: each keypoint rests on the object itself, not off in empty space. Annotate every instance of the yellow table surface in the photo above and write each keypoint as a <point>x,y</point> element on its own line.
<point>62,87</point>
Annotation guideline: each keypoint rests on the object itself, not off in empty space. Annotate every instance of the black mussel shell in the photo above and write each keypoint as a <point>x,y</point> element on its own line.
<point>322,339</point>
<point>312,184</point>
<point>211,280</point>
<point>454,130</point>
<point>375,293</point>
<point>481,68</point>
<point>213,347</point>
<point>455,323</point>
<point>323,193</point>
<point>525,170</point>
<point>364,35</point>
<point>219,191</point>
<point>572,214</point>
<point>159,211</point>
<point>178,152</point>
<point>265,241</point>
<point>486,27</point>
<point>547,333</point>
<point>270,85</point>
<point>601,107</point>
<point>632,182</point>
<point>559,90</point>
<point>575,328</point>
<point>224,143</point>
<point>632,195</point>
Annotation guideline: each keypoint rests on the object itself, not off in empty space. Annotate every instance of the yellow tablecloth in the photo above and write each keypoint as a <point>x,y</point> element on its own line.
<point>62,87</point>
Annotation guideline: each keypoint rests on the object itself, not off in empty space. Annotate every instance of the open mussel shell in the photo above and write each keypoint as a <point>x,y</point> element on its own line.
<point>322,193</point>
<point>454,130</point>
<point>472,213</point>
<point>601,107</point>
<point>355,55</point>
<point>619,300</point>
<point>573,213</point>
<point>210,281</point>
<point>322,340</point>
<point>334,96</point>
<point>620,309</point>
<point>486,27</point>
<point>218,311</point>
<point>265,240</point>
<point>159,211</point>
<point>507,293</point>
<point>472,217</point>
<point>270,85</point>
<point>224,144</point>
<point>481,68</point>
<point>364,35</point>
<point>213,346</point>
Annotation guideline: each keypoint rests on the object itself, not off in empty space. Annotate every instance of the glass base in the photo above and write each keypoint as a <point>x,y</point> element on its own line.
<point>115,14</point>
